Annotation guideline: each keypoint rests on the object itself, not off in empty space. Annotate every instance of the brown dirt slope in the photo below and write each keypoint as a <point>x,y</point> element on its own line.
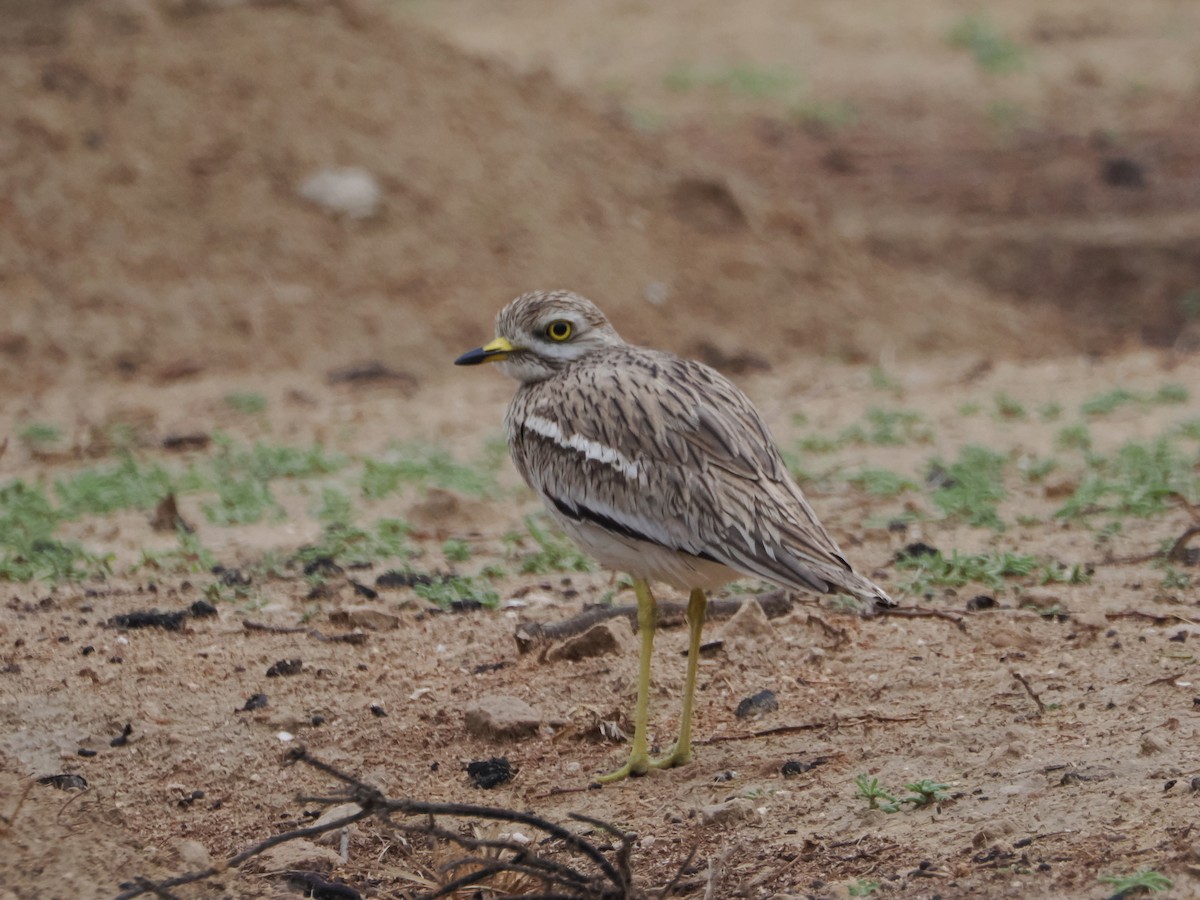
<point>151,156</point>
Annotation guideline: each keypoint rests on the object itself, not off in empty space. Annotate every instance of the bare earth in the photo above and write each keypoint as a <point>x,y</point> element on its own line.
<point>156,260</point>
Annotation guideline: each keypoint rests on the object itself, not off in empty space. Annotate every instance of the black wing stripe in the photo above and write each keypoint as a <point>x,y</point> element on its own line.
<point>583,514</point>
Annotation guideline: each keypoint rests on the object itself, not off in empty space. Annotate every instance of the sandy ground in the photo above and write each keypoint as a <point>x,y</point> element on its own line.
<point>157,260</point>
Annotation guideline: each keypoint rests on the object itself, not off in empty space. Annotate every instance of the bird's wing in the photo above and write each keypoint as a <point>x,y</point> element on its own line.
<point>667,450</point>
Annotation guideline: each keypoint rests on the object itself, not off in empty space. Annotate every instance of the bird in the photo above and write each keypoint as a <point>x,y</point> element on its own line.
<point>659,467</point>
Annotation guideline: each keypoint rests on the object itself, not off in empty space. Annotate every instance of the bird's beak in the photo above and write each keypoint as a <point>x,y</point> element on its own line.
<point>493,352</point>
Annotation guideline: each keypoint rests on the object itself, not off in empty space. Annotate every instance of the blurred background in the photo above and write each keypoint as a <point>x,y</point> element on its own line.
<point>192,187</point>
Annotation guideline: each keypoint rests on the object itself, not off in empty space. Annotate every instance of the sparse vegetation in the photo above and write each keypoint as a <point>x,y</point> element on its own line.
<point>932,570</point>
<point>992,51</point>
<point>39,435</point>
<point>1142,881</point>
<point>555,553</point>
<point>247,403</point>
<point>423,467</point>
<point>971,487</point>
<point>1137,480</point>
<point>921,794</point>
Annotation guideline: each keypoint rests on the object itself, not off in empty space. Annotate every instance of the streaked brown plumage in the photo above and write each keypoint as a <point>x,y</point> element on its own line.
<point>658,466</point>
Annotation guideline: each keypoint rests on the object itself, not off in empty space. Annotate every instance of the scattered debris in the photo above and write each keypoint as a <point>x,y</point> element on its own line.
<point>378,711</point>
<point>285,667</point>
<point>149,618</point>
<point>757,705</point>
<point>65,782</point>
<point>256,701</point>
<point>981,601</point>
<point>739,809</point>
<point>794,767</point>
<point>123,738</point>
<point>373,371</point>
<point>490,773</point>
<point>364,617</point>
<point>181,442</point>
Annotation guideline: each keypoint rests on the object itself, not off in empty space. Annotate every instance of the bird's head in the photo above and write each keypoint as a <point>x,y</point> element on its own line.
<point>542,332</point>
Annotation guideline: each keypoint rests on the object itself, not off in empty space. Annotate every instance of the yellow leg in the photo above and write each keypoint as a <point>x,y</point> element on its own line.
<point>639,755</point>
<point>682,751</point>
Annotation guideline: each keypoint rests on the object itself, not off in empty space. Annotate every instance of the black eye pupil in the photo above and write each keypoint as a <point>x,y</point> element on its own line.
<point>560,330</point>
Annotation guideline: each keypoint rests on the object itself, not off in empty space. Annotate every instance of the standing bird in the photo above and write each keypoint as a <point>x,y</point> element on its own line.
<point>658,467</point>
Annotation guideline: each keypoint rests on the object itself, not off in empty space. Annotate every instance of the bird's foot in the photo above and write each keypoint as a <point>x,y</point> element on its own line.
<point>676,756</point>
<point>638,764</point>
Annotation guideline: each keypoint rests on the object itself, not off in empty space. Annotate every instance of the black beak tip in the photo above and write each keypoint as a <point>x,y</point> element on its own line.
<point>472,357</point>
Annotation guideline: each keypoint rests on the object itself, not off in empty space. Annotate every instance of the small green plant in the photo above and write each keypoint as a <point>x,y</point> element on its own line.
<point>824,114</point>
<point>554,554</point>
<point>1035,469</point>
<point>743,80</point>
<point>969,409</point>
<point>188,557</point>
<point>1174,580</point>
<point>1138,480</point>
<point>893,427</point>
<point>242,501</point>
<point>992,51</point>
<point>921,794</point>
<point>989,569</point>
<point>862,887</point>
<point>881,482</point>
<point>1074,437</point>
<point>248,403</point>
<point>1009,408</point>
<point>872,791</point>
<point>1103,404</point>
<point>39,435</point>
<point>127,485</point>
<point>882,381</point>
<point>445,591</point>
<point>924,793</point>
<point>971,487</point>
<point>1170,394</point>
<point>456,550</point>
<point>352,546</point>
<point>335,506</point>
<point>1144,880</point>
<point>424,467</point>
<point>1050,412</point>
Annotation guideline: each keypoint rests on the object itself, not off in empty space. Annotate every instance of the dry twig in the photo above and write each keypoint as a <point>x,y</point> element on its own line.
<point>609,881</point>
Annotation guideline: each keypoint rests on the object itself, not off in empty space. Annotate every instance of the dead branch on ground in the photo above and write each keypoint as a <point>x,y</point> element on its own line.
<point>600,878</point>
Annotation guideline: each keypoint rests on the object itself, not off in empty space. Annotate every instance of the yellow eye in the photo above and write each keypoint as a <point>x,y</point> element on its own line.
<point>559,330</point>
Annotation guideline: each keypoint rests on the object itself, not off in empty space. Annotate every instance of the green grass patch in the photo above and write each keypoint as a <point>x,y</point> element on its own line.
<point>128,485</point>
<point>971,487</point>
<point>881,482</point>
<point>1138,480</point>
<point>958,569</point>
<point>425,467</point>
<point>247,403</point>
<point>460,588</point>
<point>1103,404</point>
<point>554,553</point>
<point>352,546</point>
<point>993,51</point>
<point>39,435</point>
<point>742,80</point>
<point>456,550</point>
<point>1008,407</point>
<point>1142,881</point>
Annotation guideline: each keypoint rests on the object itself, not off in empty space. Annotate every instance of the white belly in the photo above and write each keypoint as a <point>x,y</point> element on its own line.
<point>642,559</point>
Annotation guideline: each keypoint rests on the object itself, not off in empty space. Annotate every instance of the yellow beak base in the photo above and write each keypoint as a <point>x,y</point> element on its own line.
<point>491,352</point>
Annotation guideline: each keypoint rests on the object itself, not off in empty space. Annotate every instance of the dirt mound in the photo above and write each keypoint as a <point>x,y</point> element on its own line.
<point>153,152</point>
